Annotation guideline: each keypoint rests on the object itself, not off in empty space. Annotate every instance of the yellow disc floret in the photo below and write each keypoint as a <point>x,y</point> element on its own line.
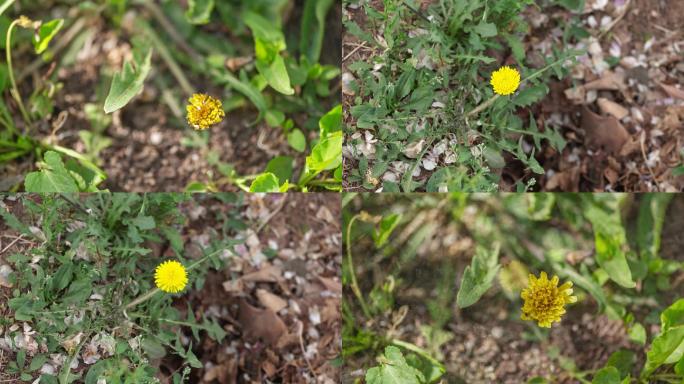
<point>505,81</point>
<point>204,111</point>
<point>170,276</point>
<point>544,300</point>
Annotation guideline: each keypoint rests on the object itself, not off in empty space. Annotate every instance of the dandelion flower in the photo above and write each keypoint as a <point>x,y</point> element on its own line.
<point>170,276</point>
<point>204,111</point>
<point>505,80</point>
<point>544,300</point>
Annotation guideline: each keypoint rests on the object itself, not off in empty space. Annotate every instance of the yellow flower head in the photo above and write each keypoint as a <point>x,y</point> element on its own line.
<point>545,300</point>
<point>204,111</point>
<point>170,276</point>
<point>505,80</point>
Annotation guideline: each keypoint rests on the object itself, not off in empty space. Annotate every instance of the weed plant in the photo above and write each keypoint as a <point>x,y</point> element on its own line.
<point>607,245</point>
<point>426,99</point>
<point>85,294</point>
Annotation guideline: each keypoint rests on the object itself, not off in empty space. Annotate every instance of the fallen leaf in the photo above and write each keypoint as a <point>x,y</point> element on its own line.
<point>267,274</point>
<point>612,108</point>
<point>672,91</point>
<point>413,150</point>
<point>610,81</point>
<point>261,324</point>
<point>330,284</point>
<point>270,301</point>
<point>603,132</point>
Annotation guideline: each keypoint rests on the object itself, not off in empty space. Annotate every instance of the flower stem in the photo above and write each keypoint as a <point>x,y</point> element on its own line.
<point>354,284</point>
<point>15,91</point>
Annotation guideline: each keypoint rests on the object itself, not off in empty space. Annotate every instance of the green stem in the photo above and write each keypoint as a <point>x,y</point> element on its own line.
<point>14,91</point>
<point>354,284</point>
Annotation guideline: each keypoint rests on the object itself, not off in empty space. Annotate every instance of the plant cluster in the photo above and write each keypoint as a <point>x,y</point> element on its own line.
<point>606,245</point>
<point>279,75</point>
<point>85,293</point>
<point>448,91</point>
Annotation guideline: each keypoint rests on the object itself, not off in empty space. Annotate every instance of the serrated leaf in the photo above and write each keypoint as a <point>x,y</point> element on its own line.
<point>478,276</point>
<point>530,95</point>
<point>394,369</point>
<point>127,83</point>
<point>54,178</point>
<point>199,11</point>
<point>486,29</point>
<point>45,33</point>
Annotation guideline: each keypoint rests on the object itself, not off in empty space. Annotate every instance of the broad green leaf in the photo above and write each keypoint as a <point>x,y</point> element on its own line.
<point>37,362</point>
<point>266,182</point>
<point>384,229</point>
<point>331,122</point>
<point>127,83</point>
<point>607,375</point>
<point>530,95</point>
<point>281,167</point>
<point>623,360</point>
<point>394,369</point>
<point>494,158</point>
<point>478,276</point>
<point>327,154</point>
<point>95,372</point>
<point>673,316</point>
<point>679,367</point>
<point>199,11</point>
<point>45,33</point>
<point>268,38</point>
<point>667,348</point>
<point>486,29</point>
<point>53,178</point>
<point>637,334</point>
<point>276,75</point>
<point>153,348</point>
<point>297,140</point>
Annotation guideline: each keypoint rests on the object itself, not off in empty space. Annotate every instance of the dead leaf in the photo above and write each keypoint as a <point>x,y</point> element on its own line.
<point>612,108</point>
<point>603,132</point>
<point>270,301</point>
<point>610,81</point>
<point>261,324</point>
<point>672,91</point>
<point>330,284</point>
<point>413,150</point>
<point>567,181</point>
<point>267,274</point>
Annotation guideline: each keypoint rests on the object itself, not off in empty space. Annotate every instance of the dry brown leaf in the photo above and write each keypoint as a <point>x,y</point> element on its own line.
<point>672,91</point>
<point>612,108</point>
<point>603,132</point>
<point>567,181</point>
<point>330,284</point>
<point>267,274</point>
<point>261,324</point>
<point>270,301</point>
<point>610,81</point>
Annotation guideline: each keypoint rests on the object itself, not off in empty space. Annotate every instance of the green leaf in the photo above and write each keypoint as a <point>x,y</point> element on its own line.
<point>517,47</point>
<point>37,362</point>
<point>530,95</point>
<point>540,205</point>
<point>679,367</point>
<point>607,375</point>
<point>478,276</point>
<point>673,316</point>
<point>199,11</point>
<point>45,33</point>
<point>144,222</point>
<point>623,360</point>
<point>486,29</point>
<point>637,334</point>
<point>331,122</point>
<point>652,210</point>
<point>95,372</point>
<point>154,349</point>
<point>128,83</point>
<point>297,140</point>
<point>266,182</point>
<point>276,75</point>
<point>327,154</point>
<point>494,158</point>
<point>63,276</point>
<point>53,178</point>
<point>382,233</point>
<point>281,167</point>
<point>667,348</point>
<point>394,369</point>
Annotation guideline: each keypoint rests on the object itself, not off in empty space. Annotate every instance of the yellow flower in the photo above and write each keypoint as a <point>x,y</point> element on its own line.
<point>545,300</point>
<point>170,276</point>
<point>204,111</point>
<point>505,80</point>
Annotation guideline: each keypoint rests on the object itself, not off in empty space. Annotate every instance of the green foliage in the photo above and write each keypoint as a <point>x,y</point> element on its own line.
<point>45,33</point>
<point>422,90</point>
<point>394,369</point>
<point>129,82</point>
<point>199,11</point>
<point>55,176</point>
<point>74,287</point>
<point>478,276</point>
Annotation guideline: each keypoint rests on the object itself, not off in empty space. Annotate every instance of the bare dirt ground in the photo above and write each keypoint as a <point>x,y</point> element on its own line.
<point>295,344</point>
